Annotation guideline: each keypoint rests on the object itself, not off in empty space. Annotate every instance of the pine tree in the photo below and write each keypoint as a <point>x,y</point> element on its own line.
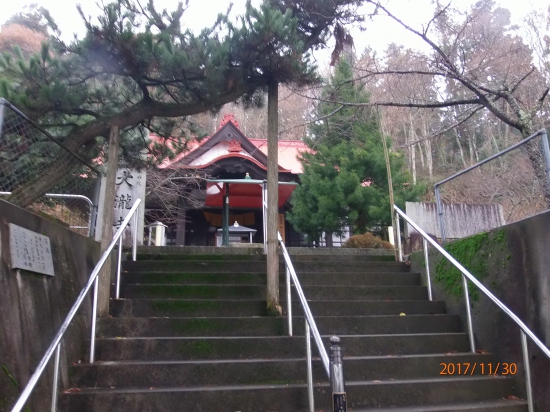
<point>344,181</point>
<point>137,68</point>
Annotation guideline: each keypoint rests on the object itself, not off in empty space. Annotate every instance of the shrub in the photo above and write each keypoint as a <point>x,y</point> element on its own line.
<point>367,241</point>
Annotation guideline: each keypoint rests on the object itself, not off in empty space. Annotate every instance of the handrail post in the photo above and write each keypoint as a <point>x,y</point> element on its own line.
<point>546,153</point>
<point>94,317</point>
<point>264,213</point>
<point>339,401</point>
<point>468,314</point>
<point>311,399</point>
<point>288,300</point>
<point>398,227</point>
<point>439,207</point>
<point>527,366</point>
<point>55,378</point>
<point>427,261</point>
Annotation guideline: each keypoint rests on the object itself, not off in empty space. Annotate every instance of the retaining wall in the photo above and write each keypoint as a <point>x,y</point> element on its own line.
<point>514,263</point>
<point>33,306</point>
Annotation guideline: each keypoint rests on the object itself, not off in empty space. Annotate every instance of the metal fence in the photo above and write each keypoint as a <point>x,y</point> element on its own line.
<point>26,150</point>
<point>517,179</point>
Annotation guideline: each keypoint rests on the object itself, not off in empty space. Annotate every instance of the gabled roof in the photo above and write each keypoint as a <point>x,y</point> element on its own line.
<point>229,141</point>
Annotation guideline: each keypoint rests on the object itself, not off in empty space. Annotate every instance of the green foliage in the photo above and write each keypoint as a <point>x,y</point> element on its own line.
<point>345,177</point>
<point>139,69</point>
<point>367,241</point>
<point>11,378</point>
<point>472,253</point>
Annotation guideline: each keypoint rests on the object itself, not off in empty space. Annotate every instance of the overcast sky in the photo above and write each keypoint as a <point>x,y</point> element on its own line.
<point>202,13</point>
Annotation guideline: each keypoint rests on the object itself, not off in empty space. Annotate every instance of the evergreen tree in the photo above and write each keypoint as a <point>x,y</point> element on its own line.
<point>138,68</point>
<point>345,180</point>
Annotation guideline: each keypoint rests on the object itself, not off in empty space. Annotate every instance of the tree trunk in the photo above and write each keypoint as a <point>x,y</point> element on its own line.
<point>273,307</point>
<point>460,149</point>
<point>428,147</point>
<point>107,222</point>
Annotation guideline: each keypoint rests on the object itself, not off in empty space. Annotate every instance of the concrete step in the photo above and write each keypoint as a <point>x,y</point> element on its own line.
<point>264,371</point>
<point>500,405</point>
<point>209,266</point>
<point>254,292</point>
<point>254,347</point>
<point>258,251</point>
<point>262,258</point>
<point>274,326</point>
<point>222,308</point>
<point>365,279</point>
<point>286,397</point>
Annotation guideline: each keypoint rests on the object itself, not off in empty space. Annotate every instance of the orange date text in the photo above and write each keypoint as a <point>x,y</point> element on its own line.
<point>480,368</point>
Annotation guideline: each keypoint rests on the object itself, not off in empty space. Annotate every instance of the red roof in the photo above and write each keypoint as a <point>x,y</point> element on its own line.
<point>288,153</point>
<point>288,150</point>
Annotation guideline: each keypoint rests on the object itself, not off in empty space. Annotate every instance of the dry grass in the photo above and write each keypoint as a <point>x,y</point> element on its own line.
<point>28,40</point>
<point>367,241</point>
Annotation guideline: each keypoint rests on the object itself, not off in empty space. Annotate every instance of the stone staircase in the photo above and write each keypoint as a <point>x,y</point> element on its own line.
<point>191,335</point>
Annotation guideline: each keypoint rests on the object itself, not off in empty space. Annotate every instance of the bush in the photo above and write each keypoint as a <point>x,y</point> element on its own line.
<point>367,241</point>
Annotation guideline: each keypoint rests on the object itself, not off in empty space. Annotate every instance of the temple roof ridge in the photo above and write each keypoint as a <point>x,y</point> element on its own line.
<point>229,117</point>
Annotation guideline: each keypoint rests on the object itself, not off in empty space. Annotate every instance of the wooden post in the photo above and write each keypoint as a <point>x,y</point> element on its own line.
<point>107,221</point>
<point>273,307</point>
<point>225,217</point>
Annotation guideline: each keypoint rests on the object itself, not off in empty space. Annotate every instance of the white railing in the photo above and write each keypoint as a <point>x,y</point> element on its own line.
<point>69,196</point>
<point>92,281</point>
<point>333,366</point>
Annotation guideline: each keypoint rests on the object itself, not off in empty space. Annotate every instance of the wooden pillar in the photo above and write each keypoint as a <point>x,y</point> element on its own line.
<point>225,216</point>
<point>107,221</point>
<point>273,307</point>
<point>180,230</point>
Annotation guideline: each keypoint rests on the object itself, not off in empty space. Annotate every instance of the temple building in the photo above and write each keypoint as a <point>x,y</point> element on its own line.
<point>222,161</point>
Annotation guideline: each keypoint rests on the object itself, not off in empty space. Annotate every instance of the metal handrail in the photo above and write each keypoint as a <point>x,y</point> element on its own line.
<point>311,326</point>
<point>56,342</point>
<point>69,196</point>
<point>525,331</point>
<point>545,152</point>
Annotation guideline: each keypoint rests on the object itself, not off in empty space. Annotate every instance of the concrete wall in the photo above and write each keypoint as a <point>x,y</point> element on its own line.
<point>33,306</point>
<point>461,220</point>
<point>516,261</point>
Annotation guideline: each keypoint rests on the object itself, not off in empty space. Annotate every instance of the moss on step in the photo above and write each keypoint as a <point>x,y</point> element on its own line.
<point>214,278</point>
<point>199,325</point>
<point>195,291</point>
<point>198,348</point>
<point>209,257</point>
<point>178,305</point>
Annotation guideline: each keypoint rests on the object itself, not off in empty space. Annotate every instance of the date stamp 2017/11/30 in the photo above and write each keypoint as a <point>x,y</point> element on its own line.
<point>480,368</point>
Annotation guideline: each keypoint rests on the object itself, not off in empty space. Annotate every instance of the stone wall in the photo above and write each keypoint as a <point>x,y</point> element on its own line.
<point>33,306</point>
<point>514,263</point>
